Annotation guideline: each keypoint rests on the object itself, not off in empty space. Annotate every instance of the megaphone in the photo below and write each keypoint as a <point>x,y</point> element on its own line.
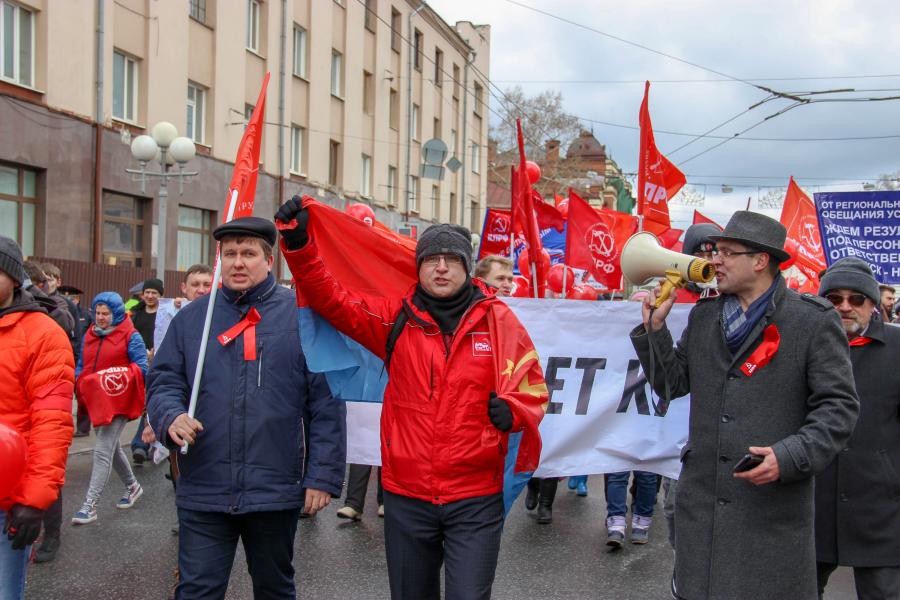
<point>644,259</point>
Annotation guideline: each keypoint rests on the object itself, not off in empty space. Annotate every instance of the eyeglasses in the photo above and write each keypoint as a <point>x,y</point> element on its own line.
<point>856,300</point>
<point>449,259</point>
<point>726,254</point>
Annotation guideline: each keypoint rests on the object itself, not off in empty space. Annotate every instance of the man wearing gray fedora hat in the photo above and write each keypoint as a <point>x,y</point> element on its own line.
<point>772,403</point>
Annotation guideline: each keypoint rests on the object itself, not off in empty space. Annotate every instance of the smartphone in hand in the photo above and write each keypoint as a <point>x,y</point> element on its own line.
<point>749,461</point>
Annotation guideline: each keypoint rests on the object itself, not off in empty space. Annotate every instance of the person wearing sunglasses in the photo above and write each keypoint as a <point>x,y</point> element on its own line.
<point>769,376</point>
<point>858,495</point>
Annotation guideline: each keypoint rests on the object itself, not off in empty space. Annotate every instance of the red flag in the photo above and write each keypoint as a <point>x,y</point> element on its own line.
<point>668,237</point>
<point>523,210</point>
<point>495,233</point>
<point>246,163</point>
<point>799,218</point>
<point>701,218</point>
<point>594,240</point>
<point>658,179</point>
<point>547,215</point>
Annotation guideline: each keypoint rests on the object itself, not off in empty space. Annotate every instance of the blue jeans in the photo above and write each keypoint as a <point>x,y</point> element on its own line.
<point>617,493</point>
<point>136,441</point>
<point>13,564</point>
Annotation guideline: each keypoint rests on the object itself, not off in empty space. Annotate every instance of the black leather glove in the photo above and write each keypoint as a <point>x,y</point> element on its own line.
<point>295,237</point>
<point>500,414</point>
<point>23,525</point>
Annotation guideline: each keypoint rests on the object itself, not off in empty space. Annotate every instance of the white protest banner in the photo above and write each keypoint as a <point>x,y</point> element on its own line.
<point>602,417</point>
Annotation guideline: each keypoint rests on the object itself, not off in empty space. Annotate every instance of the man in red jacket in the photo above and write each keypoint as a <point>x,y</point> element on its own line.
<point>36,385</point>
<point>463,375</point>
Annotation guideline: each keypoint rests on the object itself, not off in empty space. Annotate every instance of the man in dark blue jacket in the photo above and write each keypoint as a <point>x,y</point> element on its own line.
<point>266,428</point>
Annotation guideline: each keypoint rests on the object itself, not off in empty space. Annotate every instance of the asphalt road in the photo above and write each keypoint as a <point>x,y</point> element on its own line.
<point>131,554</point>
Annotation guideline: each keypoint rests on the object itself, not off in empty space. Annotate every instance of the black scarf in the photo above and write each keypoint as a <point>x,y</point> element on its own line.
<point>447,311</point>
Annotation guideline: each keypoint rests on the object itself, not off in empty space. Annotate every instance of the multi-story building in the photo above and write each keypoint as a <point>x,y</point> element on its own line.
<point>357,88</point>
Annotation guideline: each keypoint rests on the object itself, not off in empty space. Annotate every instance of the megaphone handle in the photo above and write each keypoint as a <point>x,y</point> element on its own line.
<point>673,280</point>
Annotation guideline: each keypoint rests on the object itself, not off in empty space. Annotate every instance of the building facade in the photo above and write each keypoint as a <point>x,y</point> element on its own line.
<point>357,88</point>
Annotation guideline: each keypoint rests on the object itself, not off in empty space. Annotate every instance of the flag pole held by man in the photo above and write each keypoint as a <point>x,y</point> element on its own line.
<point>463,375</point>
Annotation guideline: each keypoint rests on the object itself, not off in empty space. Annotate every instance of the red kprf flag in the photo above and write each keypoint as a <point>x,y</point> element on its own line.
<point>523,212</point>
<point>594,240</point>
<point>799,218</point>
<point>246,163</point>
<point>701,218</point>
<point>658,179</point>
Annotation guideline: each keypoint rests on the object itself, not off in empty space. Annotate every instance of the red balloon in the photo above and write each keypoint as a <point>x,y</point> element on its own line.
<point>790,246</point>
<point>563,208</point>
<point>525,267</point>
<point>583,292</point>
<point>590,293</point>
<point>533,171</point>
<point>556,275</point>
<point>521,289</point>
<point>13,456</point>
<point>362,212</point>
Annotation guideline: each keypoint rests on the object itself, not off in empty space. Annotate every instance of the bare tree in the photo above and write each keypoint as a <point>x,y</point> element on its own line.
<point>889,181</point>
<point>543,119</point>
<point>773,198</point>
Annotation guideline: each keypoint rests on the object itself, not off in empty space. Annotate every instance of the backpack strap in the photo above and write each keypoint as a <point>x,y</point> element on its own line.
<point>396,330</point>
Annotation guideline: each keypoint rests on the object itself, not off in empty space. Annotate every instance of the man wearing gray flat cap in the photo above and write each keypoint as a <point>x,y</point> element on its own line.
<point>858,495</point>
<point>772,403</point>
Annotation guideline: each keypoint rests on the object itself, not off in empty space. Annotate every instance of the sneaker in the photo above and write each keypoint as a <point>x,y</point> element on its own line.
<point>573,481</point>
<point>139,455</point>
<point>381,510</point>
<point>87,514</point>
<point>132,493</point>
<point>581,488</point>
<point>348,512</point>
<point>640,529</point>
<point>47,551</point>
<point>615,531</point>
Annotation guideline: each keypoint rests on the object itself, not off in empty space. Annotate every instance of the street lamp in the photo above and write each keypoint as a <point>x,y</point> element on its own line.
<point>165,147</point>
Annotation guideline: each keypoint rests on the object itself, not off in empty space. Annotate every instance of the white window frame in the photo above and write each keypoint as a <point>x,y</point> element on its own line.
<point>200,13</point>
<point>476,158</point>
<point>129,97</point>
<point>412,191</point>
<point>16,76</point>
<point>301,39</point>
<point>365,181</point>
<point>415,122</point>
<point>199,116</point>
<point>392,185</point>
<point>297,137</point>
<point>252,37</point>
<point>337,74</point>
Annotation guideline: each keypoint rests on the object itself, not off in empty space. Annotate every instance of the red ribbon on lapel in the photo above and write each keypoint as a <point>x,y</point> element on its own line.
<point>247,325</point>
<point>860,341</point>
<point>764,352</point>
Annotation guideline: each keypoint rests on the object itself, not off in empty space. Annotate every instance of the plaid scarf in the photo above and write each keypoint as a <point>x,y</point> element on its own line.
<point>736,323</point>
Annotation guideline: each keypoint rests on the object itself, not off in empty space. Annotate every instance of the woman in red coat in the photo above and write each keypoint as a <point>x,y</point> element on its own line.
<point>110,381</point>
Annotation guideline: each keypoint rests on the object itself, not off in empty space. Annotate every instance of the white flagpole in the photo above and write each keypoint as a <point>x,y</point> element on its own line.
<point>207,323</point>
<point>565,273</point>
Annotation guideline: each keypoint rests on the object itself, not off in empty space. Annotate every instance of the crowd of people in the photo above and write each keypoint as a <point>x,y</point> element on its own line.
<point>791,468</point>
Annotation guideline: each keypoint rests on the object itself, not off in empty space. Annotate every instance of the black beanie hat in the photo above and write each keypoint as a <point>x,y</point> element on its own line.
<point>11,261</point>
<point>851,273</point>
<point>445,238</point>
<point>153,284</point>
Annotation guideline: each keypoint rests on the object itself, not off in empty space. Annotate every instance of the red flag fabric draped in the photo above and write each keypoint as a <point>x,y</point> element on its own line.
<point>799,218</point>
<point>594,240</point>
<point>668,237</point>
<point>548,216</point>
<point>495,233</point>
<point>658,179</point>
<point>701,218</point>
<point>523,211</point>
<point>246,163</point>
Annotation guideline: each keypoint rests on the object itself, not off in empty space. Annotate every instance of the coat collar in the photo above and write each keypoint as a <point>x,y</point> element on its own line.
<point>875,330</point>
<point>774,303</point>
<point>425,320</point>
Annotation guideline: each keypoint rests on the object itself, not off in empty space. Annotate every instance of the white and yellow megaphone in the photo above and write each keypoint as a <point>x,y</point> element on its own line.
<point>644,258</point>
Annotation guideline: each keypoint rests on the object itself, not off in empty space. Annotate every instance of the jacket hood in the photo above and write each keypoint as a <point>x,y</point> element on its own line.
<point>23,301</point>
<point>115,304</point>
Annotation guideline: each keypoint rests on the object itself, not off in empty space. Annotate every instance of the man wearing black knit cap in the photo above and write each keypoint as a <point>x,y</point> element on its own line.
<point>463,375</point>
<point>858,495</point>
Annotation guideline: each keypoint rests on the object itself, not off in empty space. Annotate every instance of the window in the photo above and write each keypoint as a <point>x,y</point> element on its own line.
<point>196,113</point>
<point>479,99</point>
<point>453,140</point>
<point>438,68</point>
<point>337,67</point>
<point>417,50</point>
<point>194,232</point>
<point>371,15</point>
<point>435,202</point>
<point>412,193</point>
<point>334,162</point>
<point>248,113</point>
<point>299,51</point>
<point>252,42</point>
<point>297,149</point>
<point>365,183</point>
<point>476,158</point>
<point>18,201</point>
<point>396,31</point>
<point>456,81</point>
<point>436,128</point>
<point>123,230</point>
<point>415,122</point>
<point>368,93</point>
<point>453,208</point>
<point>17,43</point>
<point>395,111</point>
<point>392,185</point>
<point>125,87</point>
<point>198,10</point>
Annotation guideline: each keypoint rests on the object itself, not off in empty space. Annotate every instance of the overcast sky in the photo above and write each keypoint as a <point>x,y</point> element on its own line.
<point>602,79</point>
